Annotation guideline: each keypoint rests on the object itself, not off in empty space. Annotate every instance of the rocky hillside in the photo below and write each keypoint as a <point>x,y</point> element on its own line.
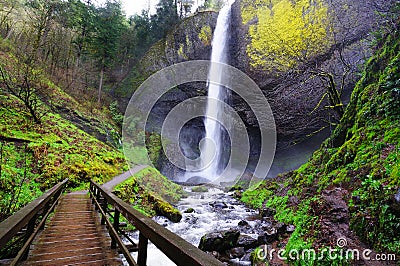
<point>289,48</point>
<point>68,140</point>
<point>350,188</point>
<point>62,143</point>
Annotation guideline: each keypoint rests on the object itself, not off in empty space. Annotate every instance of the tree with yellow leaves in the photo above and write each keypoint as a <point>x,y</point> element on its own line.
<point>287,32</point>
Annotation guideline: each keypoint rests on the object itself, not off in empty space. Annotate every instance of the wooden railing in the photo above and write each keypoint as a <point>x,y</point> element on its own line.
<point>173,246</point>
<point>32,217</point>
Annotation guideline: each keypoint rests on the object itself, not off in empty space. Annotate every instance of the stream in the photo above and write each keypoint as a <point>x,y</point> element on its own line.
<point>214,210</point>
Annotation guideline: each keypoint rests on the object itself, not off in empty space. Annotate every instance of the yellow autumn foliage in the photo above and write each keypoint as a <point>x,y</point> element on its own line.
<point>205,35</point>
<point>285,32</point>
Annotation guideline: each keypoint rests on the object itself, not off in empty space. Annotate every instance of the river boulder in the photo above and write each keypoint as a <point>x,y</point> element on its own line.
<point>219,205</point>
<point>219,241</point>
<point>269,235</point>
<point>247,241</point>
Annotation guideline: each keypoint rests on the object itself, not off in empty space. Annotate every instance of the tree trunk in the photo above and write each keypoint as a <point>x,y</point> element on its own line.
<point>100,84</point>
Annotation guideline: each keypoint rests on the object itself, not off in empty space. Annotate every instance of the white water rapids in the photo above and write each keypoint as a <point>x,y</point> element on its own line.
<point>204,219</point>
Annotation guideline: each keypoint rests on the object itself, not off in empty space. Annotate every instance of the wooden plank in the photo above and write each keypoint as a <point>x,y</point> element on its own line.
<point>89,244</point>
<point>23,253</point>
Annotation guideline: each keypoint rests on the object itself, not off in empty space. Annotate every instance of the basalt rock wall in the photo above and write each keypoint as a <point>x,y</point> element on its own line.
<point>292,61</point>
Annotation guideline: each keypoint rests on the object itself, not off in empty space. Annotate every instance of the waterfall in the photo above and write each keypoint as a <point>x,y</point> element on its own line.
<point>211,151</point>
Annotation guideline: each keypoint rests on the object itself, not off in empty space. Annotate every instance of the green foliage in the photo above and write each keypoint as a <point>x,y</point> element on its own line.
<point>213,5</point>
<point>153,181</point>
<point>154,147</point>
<point>143,37</point>
<point>110,23</point>
<point>116,114</point>
<point>286,33</point>
<point>255,260</point>
<point>17,178</point>
<point>165,19</point>
<point>22,81</point>
<point>258,194</point>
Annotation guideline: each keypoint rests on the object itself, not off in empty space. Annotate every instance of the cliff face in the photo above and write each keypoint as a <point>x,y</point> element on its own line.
<point>285,48</point>
<point>289,50</point>
<point>190,40</point>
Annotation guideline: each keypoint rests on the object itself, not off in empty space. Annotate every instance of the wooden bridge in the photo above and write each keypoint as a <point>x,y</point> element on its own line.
<point>75,229</point>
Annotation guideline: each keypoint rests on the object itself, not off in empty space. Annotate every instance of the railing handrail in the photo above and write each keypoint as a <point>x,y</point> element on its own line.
<point>173,246</point>
<point>13,224</point>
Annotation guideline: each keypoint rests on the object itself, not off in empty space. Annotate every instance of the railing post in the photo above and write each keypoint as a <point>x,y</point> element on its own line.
<point>104,206</point>
<point>116,227</point>
<point>29,231</point>
<point>91,192</point>
<point>97,197</point>
<point>46,208</point>
<point>142,252</point>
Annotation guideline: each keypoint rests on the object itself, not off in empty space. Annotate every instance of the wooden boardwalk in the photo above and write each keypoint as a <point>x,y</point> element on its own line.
<point>74,236</point>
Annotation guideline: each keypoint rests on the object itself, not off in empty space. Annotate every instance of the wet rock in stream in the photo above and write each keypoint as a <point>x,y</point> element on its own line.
<point>247,241</point>
<point>219,204</point>
<point>219,241</point>
<point>234,246</point>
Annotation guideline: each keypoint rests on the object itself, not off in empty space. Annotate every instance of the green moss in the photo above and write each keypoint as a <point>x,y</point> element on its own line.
<point>17,180</point>
<point>181,53</point>
<point>153,181</point>
<point>258,194</point>
<point>154,59</point>
<point>154,147</point>
<point>189,210</point>
<point>165,209</point>
<point>55,149</point>
<point>200,189</point>
<point>60,149</point>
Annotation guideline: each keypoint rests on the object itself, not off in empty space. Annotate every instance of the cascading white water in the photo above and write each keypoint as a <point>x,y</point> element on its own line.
<point>211,152</point>
<point>204,219</point>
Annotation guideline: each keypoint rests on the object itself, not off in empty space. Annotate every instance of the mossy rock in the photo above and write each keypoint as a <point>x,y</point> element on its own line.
<point>219,241</point>
<point>165,209</point>
<point>200,189</point>
<point>189,210</point>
